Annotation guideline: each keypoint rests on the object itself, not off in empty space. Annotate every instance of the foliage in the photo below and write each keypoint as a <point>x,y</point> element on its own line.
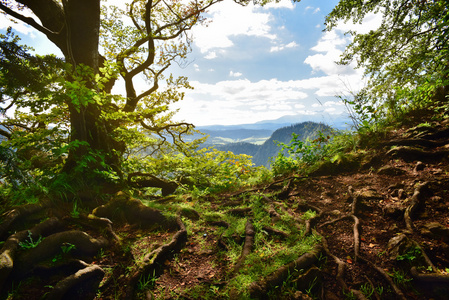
<point>410,255</point>
<point>404,59</point>
<point>198,170</point>
<point>69,137</point>
<point>301,153</point>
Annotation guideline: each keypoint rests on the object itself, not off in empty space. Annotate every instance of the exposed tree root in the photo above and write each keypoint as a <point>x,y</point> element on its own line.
<point>432,277</point>
<point>310,223</point>
<point>241,212</point>
<point>259,288</point>
<point>16,215</point>
<point>412,154</point>
<point>124,209</point>
<point>9,249</point>
<point>83,245</point>
<point>396,289</point>
<point>416,202</point>
<point>273,231</point>
<point>415,142</point>
<point>153,261</point>
<point>247,246</point>
<point>81,285</point>
<point>341,266</point>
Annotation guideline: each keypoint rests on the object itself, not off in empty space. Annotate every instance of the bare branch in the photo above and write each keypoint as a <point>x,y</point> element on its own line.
<point>29,21</point>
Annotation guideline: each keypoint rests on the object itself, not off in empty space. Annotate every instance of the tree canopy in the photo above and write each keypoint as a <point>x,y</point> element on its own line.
<point>63,110</point>
<point>407,50</point>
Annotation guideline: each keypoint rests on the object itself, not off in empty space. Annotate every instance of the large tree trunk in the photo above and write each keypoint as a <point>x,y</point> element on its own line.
<point>83,30</point>
<point>75,28</point>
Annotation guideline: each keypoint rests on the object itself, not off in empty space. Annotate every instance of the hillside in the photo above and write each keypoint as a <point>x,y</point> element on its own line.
<point>262,153</point>
<point>371,225</point>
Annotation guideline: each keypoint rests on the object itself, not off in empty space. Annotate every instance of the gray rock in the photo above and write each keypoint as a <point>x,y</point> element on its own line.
<point>438,231</point>
<point>398,245</point>
<point>390,170</point>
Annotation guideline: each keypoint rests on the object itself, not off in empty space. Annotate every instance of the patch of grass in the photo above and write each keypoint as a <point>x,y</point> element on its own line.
<point>270,255</point>
<point>308,215</point>
<point>146,282</point>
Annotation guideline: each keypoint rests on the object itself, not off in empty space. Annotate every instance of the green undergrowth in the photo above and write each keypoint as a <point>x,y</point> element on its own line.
<point>269,252</point>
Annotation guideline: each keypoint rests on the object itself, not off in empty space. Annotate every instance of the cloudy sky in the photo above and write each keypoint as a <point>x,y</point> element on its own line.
<point>260,63</point>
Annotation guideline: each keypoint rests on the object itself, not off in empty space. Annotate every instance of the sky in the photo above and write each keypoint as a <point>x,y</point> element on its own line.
<point>255,63</point>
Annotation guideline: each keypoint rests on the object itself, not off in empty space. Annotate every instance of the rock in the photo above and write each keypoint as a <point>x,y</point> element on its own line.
<point>438,231</point>
<point>298,295</point>
<point>390,170</point>
<point>367,194</point>
<point>189,213</point>
<point>419,166</point>
<point>398,245</point>
<point>393,210</point>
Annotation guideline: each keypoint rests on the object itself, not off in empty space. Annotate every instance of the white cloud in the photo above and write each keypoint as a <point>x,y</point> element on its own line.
<point>315,9</point>
<point>235,74</point>
<point>230,20</point>
<point>283,47</point>
<point>20,27</point>
<point>288,4</point>
<point>242,101</point>
<point>330,46</point>
<point>211,55</point>
<point>370,22</point>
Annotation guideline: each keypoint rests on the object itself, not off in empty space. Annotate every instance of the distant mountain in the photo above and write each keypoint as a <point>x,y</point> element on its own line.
<point>262,153</point>
<point>341,121</point>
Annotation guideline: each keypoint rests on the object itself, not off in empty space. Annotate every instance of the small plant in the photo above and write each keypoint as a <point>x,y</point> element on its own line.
<point>400,278</point>
<point>349,295</point>
<point>311,286</point>
<point>75,213</point>
<point>380,290</point>
<point>367,290</point>
<point>146,282</point>
<point>67,247</point>
<point>411,254</point>
<point>30,243</point>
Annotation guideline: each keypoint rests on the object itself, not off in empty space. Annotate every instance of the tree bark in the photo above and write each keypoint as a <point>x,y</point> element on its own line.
<point>74,27</point>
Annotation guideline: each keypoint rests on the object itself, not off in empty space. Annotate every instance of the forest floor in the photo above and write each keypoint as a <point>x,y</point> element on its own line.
<point>377,229</point>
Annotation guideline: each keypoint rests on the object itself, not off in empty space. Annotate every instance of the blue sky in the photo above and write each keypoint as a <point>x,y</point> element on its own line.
<point>259,63</point>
